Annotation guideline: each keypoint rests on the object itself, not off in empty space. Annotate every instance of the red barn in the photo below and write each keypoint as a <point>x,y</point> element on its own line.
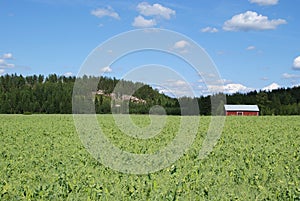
<point>241,110</point>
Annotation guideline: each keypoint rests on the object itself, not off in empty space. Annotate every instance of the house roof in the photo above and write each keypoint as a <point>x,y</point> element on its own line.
<point>252,108</point>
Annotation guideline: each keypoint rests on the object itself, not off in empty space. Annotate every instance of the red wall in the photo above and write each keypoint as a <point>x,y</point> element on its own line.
<point>244,113</point>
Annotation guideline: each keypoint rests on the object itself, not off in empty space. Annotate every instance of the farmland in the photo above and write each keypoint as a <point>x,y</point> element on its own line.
<point>256,158</point>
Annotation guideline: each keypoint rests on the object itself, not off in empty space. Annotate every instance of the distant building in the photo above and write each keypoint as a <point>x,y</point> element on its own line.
<point>241,110</point>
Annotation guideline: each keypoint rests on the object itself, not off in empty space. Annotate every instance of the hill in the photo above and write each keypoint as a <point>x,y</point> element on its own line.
<point>53,94</point>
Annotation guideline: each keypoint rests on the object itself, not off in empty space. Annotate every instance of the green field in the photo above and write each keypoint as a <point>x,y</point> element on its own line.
<point>256,158</point>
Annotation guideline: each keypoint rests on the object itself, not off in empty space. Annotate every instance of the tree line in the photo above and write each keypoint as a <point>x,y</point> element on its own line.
<point>53,95</point>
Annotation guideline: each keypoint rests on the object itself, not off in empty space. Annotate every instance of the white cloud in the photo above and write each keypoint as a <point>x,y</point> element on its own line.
<point>141,22</point>
<point>209,75</point>
<point>67,74</point>
<point>251,48</point>
<point>218,82</point>
<point>177,88</point>
<point>229,88</point>
<point>233,88</point>
<point>4,64</point>
<point>290,76</point>
<point>2,71</point>
<point>7,56</point>
<point>271,87</point>
<point>181,44</point>
<point>10,65</point>
<point>102,12</point>
<point>296,63</point>
<point>264,2</point>
<point>251,21</point>
<point>223,81</point>
<point>209,30</point>
<point>106,69</point>
<point>155,10</point>
<point>179,83</point>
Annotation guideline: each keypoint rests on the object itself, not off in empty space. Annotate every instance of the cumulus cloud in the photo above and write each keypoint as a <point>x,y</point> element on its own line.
<point>296,63</point>
<point>264,2</point>
<point>217,82</point>
<point>4,64</point>
<point>250,47</point>
<point>156,10</point>
<point>67,74</point>
<point>233,88</point>
<point>271,87</point>
<point>223,81</point>
<point>102,12</point>
<point>290,76</point>
<point>229,88</point>
<point>181,44</point>
<point>106,69</point>
<point>7,56</point>
<point>2,71</point>
<point>178,83</point>
<point>251,21</point>
<point>10,65</point>
<point>141,22</point>
<point>177,88</point>
<point>209,30</point>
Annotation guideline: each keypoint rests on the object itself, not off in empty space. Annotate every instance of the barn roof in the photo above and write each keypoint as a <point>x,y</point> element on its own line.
<point>252,108</point>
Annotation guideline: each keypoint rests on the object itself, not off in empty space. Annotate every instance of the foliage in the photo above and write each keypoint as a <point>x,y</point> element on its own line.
<point>53,95</point>
<point>256,158</point>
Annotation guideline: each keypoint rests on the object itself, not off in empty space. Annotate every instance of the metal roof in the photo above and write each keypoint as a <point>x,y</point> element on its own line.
<point>252,108</point>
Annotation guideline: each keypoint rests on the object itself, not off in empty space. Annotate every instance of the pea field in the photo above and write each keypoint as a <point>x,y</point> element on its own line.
<point>256,158</point>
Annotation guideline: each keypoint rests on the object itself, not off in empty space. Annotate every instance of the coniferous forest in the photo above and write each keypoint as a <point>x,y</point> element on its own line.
<point>53,95</point>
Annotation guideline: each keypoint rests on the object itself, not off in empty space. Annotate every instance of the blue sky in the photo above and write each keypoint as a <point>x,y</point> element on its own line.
<point>254,43</point>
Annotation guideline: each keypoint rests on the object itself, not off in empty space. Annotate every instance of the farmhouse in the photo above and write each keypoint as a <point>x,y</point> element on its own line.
<point>241,110</point>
